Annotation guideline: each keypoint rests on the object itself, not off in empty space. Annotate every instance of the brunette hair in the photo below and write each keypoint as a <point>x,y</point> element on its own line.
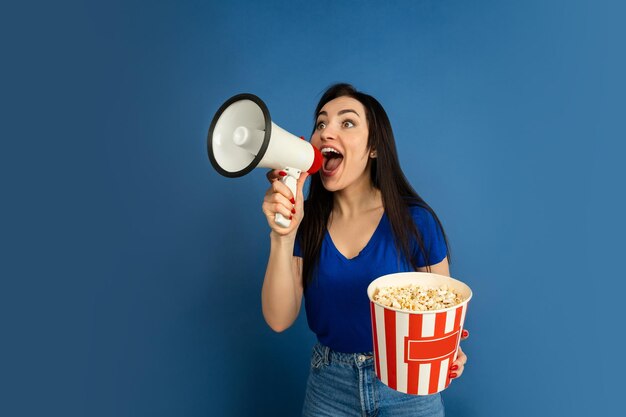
<point>386,175</point>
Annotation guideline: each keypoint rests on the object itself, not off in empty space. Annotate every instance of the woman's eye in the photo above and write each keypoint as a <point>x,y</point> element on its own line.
<point>348,123</point>
<point>320,125</point>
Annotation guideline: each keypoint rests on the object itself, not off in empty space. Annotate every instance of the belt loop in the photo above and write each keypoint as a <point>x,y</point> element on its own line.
<point>326,355</point>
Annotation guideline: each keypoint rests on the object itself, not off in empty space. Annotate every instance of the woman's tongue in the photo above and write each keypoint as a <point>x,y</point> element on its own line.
<point>331,163</point>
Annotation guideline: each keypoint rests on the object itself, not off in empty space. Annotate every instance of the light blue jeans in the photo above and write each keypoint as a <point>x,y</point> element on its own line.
<point>345,384</point>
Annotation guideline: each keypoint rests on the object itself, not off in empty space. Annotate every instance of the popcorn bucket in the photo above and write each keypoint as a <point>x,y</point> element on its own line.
<point>413,351</point>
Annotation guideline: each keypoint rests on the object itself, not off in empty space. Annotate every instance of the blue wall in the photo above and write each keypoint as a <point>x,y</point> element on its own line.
<point>131,271</point>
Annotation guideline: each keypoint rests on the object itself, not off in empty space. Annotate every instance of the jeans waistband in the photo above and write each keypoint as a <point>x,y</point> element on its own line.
<point>329,356</point>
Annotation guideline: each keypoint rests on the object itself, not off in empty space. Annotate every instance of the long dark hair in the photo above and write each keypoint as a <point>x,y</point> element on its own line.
<point>386,175</point>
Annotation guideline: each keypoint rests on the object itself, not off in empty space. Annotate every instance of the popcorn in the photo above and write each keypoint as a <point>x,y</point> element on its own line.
<point>417,298</point>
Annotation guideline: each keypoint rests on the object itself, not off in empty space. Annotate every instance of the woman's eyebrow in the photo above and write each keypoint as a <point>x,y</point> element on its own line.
<point>323,113</point>
<point>348,111</point>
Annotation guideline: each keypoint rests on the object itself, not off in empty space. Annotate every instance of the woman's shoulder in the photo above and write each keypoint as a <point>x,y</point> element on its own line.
<point>423,216</point>
<point>420,210</point>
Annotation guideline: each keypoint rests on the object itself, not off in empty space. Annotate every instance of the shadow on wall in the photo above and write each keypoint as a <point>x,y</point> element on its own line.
<point>260,372</point>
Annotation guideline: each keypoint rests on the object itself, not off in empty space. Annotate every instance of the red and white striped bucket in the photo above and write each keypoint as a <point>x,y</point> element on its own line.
<point>413,351</point>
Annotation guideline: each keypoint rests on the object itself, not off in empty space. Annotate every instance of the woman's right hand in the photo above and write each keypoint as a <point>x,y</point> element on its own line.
<point>279,199</point>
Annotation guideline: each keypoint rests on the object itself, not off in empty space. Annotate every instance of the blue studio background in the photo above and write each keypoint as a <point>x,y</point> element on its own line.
<point>131,271</point>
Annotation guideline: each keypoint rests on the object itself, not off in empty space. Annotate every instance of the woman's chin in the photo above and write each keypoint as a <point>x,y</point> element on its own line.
<point>330,184</point>
<point>330,179</point>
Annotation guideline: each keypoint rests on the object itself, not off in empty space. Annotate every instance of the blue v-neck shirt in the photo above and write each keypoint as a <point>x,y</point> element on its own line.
<point>336,302</point>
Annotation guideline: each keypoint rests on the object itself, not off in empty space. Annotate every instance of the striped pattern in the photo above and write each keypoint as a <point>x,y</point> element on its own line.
<point>413,351</point>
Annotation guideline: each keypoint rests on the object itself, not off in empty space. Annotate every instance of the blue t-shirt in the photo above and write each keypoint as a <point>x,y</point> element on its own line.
<point>336,301</point>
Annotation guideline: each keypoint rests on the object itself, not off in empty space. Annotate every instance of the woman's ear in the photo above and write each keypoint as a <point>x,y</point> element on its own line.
<point>373,154</point>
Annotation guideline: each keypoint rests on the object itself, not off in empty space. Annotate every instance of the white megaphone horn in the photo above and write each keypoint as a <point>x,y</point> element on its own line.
<point>242,137</point>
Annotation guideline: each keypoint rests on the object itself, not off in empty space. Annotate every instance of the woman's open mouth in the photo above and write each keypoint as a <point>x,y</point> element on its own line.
<point>332,160</point>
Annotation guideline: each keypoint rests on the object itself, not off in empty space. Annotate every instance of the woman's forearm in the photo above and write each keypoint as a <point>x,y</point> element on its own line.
<point>281,294</point>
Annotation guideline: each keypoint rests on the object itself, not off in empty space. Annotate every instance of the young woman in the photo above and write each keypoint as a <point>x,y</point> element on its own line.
<point>361,220</point>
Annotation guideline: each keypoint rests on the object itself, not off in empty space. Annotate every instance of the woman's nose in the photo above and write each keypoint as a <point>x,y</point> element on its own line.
<point>327,133</point>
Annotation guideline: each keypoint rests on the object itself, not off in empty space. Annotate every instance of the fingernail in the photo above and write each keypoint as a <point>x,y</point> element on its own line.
<point>293,201</point>
<point>464,333</point>
<point>290,217</point>
<point>293,210</point>
<point>282,173</point>
<point>454,367</point>
<point>302,137</point>
<point>452,375</point>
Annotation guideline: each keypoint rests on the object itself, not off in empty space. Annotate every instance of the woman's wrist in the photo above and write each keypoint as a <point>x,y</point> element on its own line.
<point>279,239</point>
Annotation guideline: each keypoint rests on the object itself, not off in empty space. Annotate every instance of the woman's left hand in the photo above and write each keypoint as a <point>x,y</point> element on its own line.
<point>459,364</point>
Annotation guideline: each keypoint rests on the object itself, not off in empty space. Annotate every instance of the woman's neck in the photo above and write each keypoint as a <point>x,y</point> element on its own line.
<point>357,199</point>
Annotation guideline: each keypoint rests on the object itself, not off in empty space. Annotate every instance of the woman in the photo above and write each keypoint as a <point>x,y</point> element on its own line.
<point>363,220</point>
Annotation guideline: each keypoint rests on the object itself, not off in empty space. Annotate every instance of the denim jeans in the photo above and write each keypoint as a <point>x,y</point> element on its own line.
<point>345,384</point>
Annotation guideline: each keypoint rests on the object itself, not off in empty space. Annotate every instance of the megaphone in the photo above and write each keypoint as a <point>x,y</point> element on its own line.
<point>242,137</point>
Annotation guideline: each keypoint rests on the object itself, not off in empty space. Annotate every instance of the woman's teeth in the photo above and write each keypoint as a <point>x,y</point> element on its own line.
<point>326,151</point>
